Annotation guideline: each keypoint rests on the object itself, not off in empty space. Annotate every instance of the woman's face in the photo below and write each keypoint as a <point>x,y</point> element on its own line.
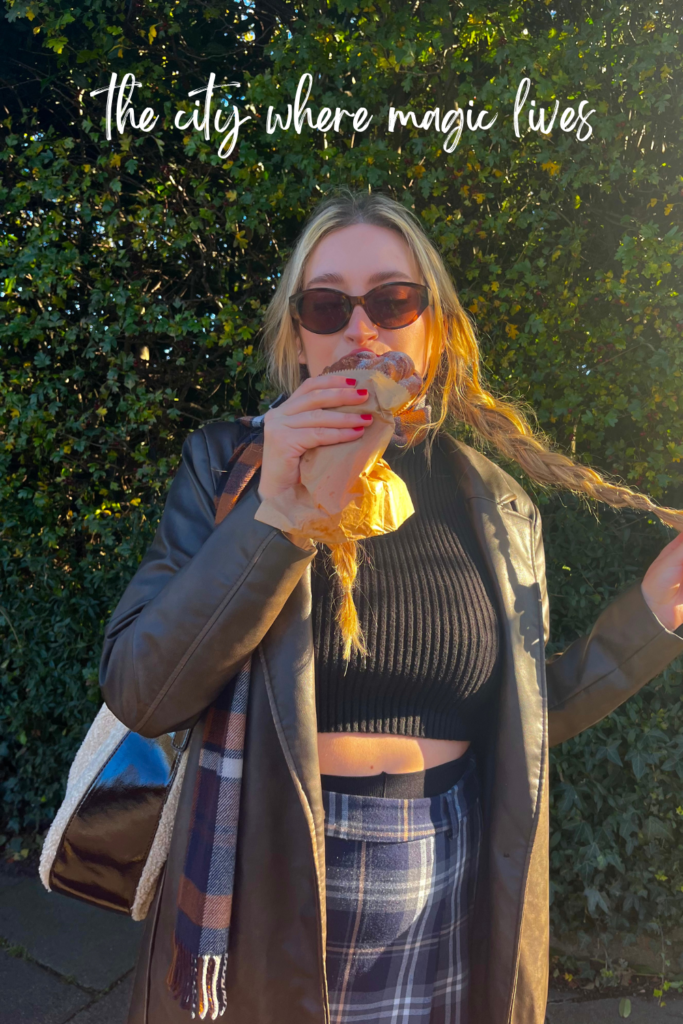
<point>355,260</point>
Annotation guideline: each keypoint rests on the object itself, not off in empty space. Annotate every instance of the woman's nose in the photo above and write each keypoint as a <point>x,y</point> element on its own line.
<point>360,327</point>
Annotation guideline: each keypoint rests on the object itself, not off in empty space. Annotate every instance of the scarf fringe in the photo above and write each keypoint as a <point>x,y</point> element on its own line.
<point>198,982</point>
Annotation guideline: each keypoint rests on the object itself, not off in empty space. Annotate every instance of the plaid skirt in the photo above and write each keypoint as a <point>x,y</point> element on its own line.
<point>400,887</point>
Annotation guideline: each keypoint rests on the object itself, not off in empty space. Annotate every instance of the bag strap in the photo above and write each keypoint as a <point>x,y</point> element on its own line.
<point>242,465</point>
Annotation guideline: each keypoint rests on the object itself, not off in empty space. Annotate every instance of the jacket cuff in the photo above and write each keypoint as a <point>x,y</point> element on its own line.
<point>649,646</point>
<point>298,541</point>
<point>674,632</point>
<point>674,638</point>
<point>628,646</point>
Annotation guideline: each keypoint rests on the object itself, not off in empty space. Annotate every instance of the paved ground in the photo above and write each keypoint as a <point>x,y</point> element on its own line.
<point>63,961</point>
<point>567,1009</point>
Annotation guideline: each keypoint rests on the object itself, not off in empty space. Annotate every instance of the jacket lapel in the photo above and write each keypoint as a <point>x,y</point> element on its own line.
<point>287,659</point>
<point>515,762</point>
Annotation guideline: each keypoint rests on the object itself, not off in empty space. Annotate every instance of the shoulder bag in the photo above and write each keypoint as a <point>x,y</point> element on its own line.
<point>110,837</point>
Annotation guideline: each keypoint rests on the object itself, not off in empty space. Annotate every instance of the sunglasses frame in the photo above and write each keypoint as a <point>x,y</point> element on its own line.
<point>351,301</point>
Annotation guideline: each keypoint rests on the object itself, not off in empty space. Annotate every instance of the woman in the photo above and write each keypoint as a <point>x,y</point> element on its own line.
<point>415,778</point>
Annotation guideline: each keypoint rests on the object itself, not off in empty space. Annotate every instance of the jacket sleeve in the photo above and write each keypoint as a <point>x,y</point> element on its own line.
<point>626,648</point>
<point>202,599</point>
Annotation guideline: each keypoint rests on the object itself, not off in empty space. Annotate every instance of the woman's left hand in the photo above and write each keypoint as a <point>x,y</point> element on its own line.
<point>663,585</point>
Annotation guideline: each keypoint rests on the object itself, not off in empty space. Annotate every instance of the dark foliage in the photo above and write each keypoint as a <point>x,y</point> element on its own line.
<point>136,272</point>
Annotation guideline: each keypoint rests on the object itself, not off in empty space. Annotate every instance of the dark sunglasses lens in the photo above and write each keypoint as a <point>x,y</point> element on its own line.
<point>322,311</point>
<point>396,305</point>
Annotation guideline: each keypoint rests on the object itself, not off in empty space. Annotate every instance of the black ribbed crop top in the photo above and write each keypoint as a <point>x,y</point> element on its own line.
<point>427,610</point>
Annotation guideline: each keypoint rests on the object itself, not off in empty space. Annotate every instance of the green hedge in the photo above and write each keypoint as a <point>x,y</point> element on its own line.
<point>137,272</point>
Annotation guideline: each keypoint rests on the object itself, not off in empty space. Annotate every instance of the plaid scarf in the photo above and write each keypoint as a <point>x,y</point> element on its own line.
<point>197,974</point>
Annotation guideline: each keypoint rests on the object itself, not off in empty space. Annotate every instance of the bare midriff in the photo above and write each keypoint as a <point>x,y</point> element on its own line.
<point>360,753</point>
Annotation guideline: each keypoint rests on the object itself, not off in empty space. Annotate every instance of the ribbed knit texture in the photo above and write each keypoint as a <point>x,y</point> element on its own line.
<point>427,611</point>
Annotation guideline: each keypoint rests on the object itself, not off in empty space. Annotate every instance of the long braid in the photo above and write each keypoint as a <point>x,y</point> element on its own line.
<point>345,561</point>
<point>546,466</point>
<point>504,425</point>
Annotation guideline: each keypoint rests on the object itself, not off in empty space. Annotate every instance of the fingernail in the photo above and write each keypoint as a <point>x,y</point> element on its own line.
<point>362,391</point>
<point>350,380</point>
<point>358,428</point>
<point>366,415</point>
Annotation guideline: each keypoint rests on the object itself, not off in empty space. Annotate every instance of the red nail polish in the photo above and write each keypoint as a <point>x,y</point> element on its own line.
<point>362,391</point>
<point>350,380</point>
<point>366,415</point>
<point>358,428</point>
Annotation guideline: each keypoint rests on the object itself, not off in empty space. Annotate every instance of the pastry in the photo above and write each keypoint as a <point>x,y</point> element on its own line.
<point>397,366</point>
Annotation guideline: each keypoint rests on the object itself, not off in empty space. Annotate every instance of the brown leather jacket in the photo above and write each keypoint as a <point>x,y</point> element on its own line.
<point>203,598</point>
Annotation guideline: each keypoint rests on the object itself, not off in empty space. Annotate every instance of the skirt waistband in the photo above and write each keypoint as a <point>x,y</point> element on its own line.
<point>393,820</point>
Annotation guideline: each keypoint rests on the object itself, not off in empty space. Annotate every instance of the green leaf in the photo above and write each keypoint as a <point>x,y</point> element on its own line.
<point>56,43</point>
<point>595,899</point>
<point>625,1007</point>
<point>613,756</point>
<point>657,829</point>
<point>567,800</point>
<point>638,763</point>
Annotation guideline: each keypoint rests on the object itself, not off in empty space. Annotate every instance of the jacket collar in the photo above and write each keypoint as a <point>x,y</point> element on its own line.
<point>478,477</point>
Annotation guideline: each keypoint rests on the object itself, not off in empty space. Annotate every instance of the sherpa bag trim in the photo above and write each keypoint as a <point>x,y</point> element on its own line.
<point>111,835</point>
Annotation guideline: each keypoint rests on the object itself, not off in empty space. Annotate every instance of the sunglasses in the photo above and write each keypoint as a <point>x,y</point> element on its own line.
<point>390,306</point>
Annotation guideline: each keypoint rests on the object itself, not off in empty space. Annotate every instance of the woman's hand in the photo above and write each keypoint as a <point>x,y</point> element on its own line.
<point>663,585</point>
<point>309,418</point>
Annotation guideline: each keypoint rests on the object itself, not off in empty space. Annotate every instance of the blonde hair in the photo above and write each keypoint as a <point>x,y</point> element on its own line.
<point>452,381</point>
